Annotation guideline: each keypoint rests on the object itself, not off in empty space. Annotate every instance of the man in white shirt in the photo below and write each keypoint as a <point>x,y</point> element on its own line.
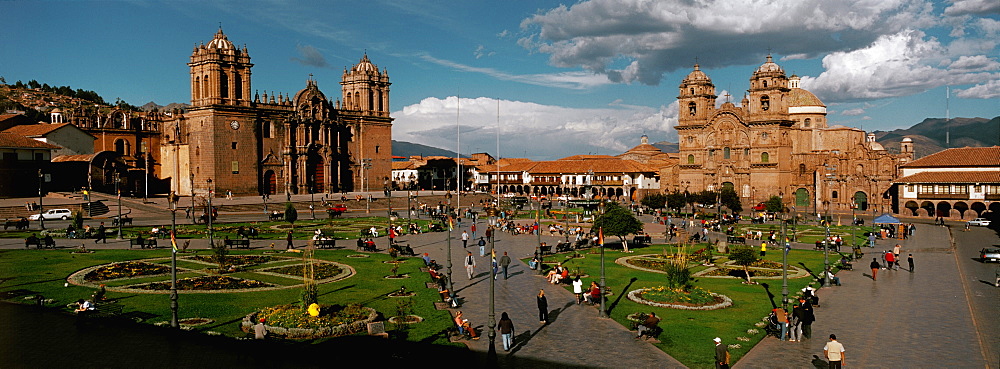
<point>834,351</point>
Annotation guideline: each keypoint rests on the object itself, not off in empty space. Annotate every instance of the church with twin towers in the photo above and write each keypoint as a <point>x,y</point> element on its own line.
<point>234,138</point>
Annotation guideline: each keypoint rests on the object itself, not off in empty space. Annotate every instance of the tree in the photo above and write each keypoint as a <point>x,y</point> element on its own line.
<point>774,205</point>
<point>730,200</point>
<point>618,221</point>
<point>654,201</point>
<point>743,256</point>
<point>291,215</point>
<point>676,200</point>
<point>220,255</point>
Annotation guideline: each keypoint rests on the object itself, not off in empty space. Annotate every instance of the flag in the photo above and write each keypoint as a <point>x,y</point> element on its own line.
<point>451,224</point>
<point>600,236</point>
<point>173,240</point>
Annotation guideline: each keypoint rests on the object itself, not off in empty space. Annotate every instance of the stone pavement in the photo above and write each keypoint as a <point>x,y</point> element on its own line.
<point>912,320</point>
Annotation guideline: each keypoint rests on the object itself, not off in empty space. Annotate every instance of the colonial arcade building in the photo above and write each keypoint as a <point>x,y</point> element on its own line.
<point>777,142</point>
<point>252,144</point>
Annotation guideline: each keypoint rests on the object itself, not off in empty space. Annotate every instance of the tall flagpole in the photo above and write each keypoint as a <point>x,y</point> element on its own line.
<point>458,159</point>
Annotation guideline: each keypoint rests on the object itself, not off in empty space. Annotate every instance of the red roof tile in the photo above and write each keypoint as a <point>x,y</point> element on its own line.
<point>31,130</point>
<point>599,166</point>
<point>959,157</point>
<point>10,140</point>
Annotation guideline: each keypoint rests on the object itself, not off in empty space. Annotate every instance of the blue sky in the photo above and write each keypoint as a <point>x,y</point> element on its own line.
<point>587,77</point>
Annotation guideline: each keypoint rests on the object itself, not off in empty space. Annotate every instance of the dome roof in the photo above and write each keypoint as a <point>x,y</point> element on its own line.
<point>697,75</point>
<point>907,139</point>
<point>800,97</point>
<point>220,42</point>
<point>769,66</point>
<point>365,65</point>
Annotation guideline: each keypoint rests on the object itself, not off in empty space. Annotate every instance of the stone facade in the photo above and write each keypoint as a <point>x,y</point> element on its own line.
<point>252,145</point>
<point>777,142</point>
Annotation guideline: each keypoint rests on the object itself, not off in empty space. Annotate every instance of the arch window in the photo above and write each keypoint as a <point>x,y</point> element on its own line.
<point>692,90</point>
<point>237,86</point>
<point>834,195</point>
<point>690,159</point>
<point>808,122</point>
<point>197,87</point>
<point>746,153</point>
<point>223,85</point>
<point>265,129</point>
<point>765,83</point>
<point>764,157</point>
<point>726,153</point>
<point>765,103</point>
<point>802,169</point>
<point>692,108</point>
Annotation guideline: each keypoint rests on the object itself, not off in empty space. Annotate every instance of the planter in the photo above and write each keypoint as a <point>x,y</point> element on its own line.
<point>305,333</point>
<point>401,276</point>
<point>635,295</point>
<point>408,319</point>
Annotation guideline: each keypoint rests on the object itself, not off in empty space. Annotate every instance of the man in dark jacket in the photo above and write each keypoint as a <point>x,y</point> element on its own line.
<point>649,325</point>
<point>807,318</point>
<point>721,354</point>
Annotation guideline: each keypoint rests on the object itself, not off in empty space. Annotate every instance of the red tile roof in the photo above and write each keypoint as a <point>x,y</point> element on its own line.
<point>562,166</point>
<point>959,157</point>
<point>587,157</point>
<point>952,177</point>
<point>67,158</point>
<point>10,140</point>
<point>33,130</point>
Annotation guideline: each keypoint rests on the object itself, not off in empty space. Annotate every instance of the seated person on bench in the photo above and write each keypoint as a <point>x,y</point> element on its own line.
<point>593,296</point>
<point>464,326</point>
<point>833,278</point>
<point>651,324</point>
<point>555,274</point>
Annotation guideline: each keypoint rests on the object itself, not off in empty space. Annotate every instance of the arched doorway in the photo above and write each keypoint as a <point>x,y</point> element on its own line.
<point>861,200</point>
<point>912,206</point>
<point>316,174</point>
<point>122,147</point>
<point>728,186</point>
<point>619,192</point>
<point>802,197</point>
<point>978,207</point>
<point>270,183</point>
<point>943,209</point>
<point>961,207</point>
<point>929,207</point>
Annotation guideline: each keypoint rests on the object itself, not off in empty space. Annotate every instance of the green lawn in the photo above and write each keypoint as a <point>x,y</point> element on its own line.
<point>43,272</point>
<point>688,333</point>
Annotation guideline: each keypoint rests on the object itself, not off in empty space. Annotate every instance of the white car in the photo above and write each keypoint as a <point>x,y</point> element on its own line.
<point>54,214</point>
<point>982,222</point>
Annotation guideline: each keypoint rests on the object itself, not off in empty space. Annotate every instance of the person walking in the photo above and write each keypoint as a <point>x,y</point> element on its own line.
<point>763,249</point>
<point>895,252</point>
<point>578,289</point>
<point>288,241</point>
<point>482,247</point>
<point>909,261</point>
<point>721,354</point>
<point>505,263</point>
<point>874,265</point>
<point>543,307</point>
<point>890,260</point>
<point>834,351</point>
<point>465,239</point>
<point>506,328</point>
<point>807,319</point>
<point>470,264</point>
<point>782,318</point>
<point>101,234</point>
<point>473,228</point>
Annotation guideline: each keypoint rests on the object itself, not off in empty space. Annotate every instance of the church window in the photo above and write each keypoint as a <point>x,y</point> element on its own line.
<point>223,85</point>
<point>746,152</point>
<point>237,86</point>
<point>690,159</point>
<point>376,148</point>
<point>765,83</point>
<point>834,194</point>
<point>234,145</point>
<point>725,153</point>
<point>765,103</point>
<point>808,122</point>
<point>802,169</point>
<point>692,90</point>
<point>235,167</point>
<point>692,108</point>
<point>197,88</point>
<point>764,157</point>
<point>265,129</point>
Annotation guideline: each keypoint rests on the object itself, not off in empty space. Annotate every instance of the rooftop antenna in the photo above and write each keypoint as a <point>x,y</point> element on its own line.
<point>458,151</point>
<point>947,116</point>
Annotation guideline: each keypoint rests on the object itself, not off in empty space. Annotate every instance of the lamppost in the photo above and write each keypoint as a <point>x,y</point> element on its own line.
<point>172,199</point>
<point>118,190</point>
<point>41,217</point>
<point>604,310</point>
<point>451,286</point>
<point>312,196</point>
<point>492,323</point>
<point>193,217</point>
<point>826,247</point>
<point>365,165</point>
<point>388,214</point>
<point>208,215</point>
<point>784,265</point>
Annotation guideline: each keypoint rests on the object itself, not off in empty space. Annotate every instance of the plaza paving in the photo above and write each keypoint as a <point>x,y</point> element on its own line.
<point>942,315</point>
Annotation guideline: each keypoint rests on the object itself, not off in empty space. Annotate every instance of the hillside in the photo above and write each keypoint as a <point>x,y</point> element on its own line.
<point>929,136</point>
<point>407,149</point>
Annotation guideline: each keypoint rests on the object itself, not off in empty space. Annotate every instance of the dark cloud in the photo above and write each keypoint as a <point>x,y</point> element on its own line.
<point>310,56</point>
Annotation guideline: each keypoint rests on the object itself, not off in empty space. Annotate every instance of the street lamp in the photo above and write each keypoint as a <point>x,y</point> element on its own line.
<point>312,196</point>
<point>41,216</point>
<point>604,310</point>
<point>118,190</point>
<point>366,164</point>
<point>208,215</point>
<point>492,323</point>
<point>784,265</point>
<point>172,199</point>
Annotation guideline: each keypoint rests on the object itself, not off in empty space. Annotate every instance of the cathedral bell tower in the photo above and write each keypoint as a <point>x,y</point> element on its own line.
<point>366,89</point>
<point>768,92</point>
<point>697,98</point>
<point>220,73</point>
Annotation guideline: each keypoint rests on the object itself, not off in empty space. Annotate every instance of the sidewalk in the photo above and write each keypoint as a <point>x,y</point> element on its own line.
<point>904,319</point>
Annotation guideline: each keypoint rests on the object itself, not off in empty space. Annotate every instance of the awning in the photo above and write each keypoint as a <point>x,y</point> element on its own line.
<point>886,219</point>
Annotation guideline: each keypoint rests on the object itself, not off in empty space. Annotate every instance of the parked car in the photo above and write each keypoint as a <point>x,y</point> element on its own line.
<point>54,214</point>
<point>989,254</point>
<point>982,222</point>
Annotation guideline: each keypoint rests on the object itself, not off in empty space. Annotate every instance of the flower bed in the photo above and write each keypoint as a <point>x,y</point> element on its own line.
<point>290,321</point>
<point>738,272</point>
<point>236,260</point>
<point>128,269</point>
<point>696,299</point>
<point>321,270</point>
<point>206,283</point>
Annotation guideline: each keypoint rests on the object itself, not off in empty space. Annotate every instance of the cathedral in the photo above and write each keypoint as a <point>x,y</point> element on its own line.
<point>777,143</point>
<point>233,138</point>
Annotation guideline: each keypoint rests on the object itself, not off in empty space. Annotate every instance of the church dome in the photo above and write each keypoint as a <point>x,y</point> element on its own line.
<point>220,42</point>
<point>800,97</point>
<point>697,75</point>
<point>769,67</point>
<point>365,65</point>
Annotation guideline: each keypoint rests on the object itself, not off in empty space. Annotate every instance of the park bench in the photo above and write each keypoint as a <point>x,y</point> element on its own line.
<point>642,239</point>
<point>275,216</point>
<point>33,241</point>
<point>583,243</point>
<point>142,242</point>
<point>106,310</point>
<point>736,239</point>
<point>123,220</point>
<point>325,244</point>
<point>563,246</point>
<point>545,249</point>
<point>238,244</point>
<point>17,224</point>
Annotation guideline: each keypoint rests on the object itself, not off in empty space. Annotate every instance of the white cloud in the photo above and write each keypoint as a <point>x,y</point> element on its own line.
<point>853,112</point>
<point>988,90</point>
<point>481,52</point>
<point>653,37</point>
<point>974,63</point>
<point>962,7</point>
<point>532,130</point>
<point>571,80</point>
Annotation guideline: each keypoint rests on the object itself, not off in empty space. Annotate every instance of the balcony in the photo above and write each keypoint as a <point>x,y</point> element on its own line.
<point>607,183</point>
<point>545,183</point>
<point>944,196</point>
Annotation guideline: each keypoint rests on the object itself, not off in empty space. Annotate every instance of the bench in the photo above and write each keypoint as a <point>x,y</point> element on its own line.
<point>583,243</point>
<point>238,244</point>
<point>545,249</point>
<point>736,239</point>
<point>325,244</point>
<point>106,310</point>
<point>641,240</point>
<point>563,246</point>
<point>142,243</point>
<point>275,216</point>
<point>37,242</point>
<point>17,224</point>
<point>124,220</point>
